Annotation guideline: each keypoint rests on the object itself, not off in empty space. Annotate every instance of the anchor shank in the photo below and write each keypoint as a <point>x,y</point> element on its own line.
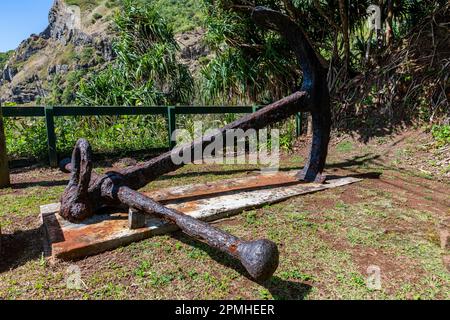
<point>260,258</point>
<point>139,176</point>
<point>193,227</point>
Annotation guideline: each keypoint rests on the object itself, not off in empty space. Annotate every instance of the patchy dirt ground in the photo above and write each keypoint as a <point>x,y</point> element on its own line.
<point>330,242</point>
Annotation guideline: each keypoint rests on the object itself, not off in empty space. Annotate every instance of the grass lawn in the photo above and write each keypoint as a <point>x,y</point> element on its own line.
<point>327,240</point>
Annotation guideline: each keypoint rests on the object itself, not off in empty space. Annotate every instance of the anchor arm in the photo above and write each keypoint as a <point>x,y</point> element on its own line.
<point>102,190</point>
<point>314,83</point>
<point>260,257</point>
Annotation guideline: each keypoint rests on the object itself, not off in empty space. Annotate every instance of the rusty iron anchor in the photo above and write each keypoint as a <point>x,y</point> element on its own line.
<point>88,192</point>
<point>259,257</point>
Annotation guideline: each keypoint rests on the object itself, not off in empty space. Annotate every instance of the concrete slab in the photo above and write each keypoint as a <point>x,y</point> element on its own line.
<point>208,202</point>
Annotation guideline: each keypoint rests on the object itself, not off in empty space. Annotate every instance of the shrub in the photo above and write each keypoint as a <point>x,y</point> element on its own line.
<point>146,70</point>
<point>441,134</point>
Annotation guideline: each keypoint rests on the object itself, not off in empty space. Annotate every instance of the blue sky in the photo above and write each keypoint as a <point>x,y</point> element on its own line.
<point>19,19</point>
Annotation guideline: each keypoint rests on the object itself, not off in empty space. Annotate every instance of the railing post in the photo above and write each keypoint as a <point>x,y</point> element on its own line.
<point>299,124</point>
<point>4,166</point>
<point>51,136</point>
<point>171,124</point>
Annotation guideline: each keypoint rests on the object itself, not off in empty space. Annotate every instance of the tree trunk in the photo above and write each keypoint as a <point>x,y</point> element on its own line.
<point>4,168</point>
<point>389,31</point>
<point>345,33</point>
<point>367,56</point>
<point>309,130</point>
<point>325,15</point>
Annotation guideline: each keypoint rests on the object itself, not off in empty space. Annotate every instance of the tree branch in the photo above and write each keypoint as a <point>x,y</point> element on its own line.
<point>306,54</point>
<point>324,15</point>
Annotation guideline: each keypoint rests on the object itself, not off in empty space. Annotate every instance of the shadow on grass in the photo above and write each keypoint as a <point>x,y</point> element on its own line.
<point>58,183</point>
<point>19,248</point>
<point>355,161</point>
<point>24,185</point>
<point>280,289</point>
<point>364,175</point>
<point>287,290</point>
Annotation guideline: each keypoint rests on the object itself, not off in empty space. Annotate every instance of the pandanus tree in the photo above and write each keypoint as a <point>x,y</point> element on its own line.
<point>255,64</point>
<point>146,70</point>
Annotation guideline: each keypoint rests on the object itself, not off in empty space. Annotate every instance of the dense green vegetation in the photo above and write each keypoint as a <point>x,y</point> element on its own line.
<point>84,4</point>
<point>4,56</point>
<point>146,70</point>
<point>402,82</point>
<point>28,139</point>
<point>441,134</point>
<point>181,15</point>
<point>255,64</point>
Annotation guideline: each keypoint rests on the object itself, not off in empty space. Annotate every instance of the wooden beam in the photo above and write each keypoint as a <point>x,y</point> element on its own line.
<point>207,201</point>
<point>4,167</point>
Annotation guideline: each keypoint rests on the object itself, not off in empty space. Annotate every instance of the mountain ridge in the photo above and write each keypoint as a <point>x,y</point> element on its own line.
<point>67,45</point>
<point>78,41</point>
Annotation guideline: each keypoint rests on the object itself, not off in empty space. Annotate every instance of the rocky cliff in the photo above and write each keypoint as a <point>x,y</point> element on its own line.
<point>75,39</point>
<point>76,42</point>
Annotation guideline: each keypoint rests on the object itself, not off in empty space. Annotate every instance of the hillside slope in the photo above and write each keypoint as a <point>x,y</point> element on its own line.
<point>77,42</point>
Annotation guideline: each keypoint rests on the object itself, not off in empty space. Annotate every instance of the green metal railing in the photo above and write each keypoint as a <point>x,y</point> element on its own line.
<point>169,112</point>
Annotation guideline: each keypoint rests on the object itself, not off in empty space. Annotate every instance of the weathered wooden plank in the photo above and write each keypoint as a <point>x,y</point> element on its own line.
<point>208,201</point>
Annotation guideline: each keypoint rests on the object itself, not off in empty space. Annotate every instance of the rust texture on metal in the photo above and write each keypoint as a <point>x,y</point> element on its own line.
<point>251,182</point>
<point>260,257</point>
<point>88,192</point>
<point>314,84</point>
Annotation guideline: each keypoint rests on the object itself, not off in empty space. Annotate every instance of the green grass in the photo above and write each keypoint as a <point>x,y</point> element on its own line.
<point>84,4</point>
<point>182,15</point>
<point>441,134</point>
<point>4,56</point>
<point>326,244</point>
<point>345,146</point>
<point>16,205</point>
